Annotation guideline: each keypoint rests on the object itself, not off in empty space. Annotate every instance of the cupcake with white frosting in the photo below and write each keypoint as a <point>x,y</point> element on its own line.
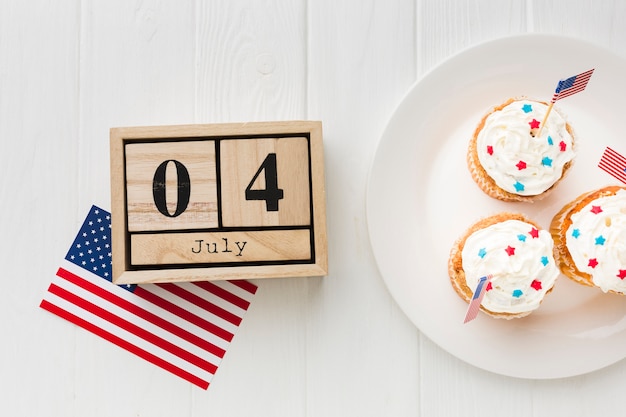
<point>517,254</point>
<point>590,239</point>
<point>512,158</point>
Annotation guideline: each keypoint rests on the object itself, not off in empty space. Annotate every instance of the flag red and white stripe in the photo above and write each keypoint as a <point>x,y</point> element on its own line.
<point>477,298</point>
<point>184,328</point>
<point>613,163</point>
<point>572,85</point>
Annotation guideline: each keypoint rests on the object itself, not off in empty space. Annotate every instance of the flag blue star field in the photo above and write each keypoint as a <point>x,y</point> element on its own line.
<point>184,328</point>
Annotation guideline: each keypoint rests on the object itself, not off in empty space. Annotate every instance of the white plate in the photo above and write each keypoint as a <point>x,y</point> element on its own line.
<point>420,198</point>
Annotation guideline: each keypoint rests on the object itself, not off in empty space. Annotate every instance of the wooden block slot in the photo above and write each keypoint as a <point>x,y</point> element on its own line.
<point>221,201</point>
<point>145,160</point>
<point>221,248</point>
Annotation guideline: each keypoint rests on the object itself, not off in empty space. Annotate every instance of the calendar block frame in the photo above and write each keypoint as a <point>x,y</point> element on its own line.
<point>217,234</point>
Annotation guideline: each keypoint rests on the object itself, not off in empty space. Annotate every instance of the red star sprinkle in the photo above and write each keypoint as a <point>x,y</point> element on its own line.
<point>536,284</point>
<point>510,250</point>
<point>562,146</point>
<point>490,149</point>
<point>534,124</point>
<point>521,165</point>
<point>596,209</point>
<point>534,233</point>
<point>489,286</point>
<point>621,274</point>
<point>593,262</point>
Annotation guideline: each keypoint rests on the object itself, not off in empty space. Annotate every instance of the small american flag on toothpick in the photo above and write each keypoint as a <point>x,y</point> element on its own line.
<point>571,85</point>
<point>613,163</point>
<point>566,88</point>
<point>477,298</point>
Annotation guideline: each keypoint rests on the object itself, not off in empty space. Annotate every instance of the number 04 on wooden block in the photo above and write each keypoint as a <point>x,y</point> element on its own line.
<point>218,201</point>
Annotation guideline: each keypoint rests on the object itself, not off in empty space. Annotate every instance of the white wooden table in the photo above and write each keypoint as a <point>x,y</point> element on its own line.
<point>333,346</point>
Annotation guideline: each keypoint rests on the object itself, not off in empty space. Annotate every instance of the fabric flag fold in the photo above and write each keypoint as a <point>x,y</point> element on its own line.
<point>613,163</point>
<point>184,328</point>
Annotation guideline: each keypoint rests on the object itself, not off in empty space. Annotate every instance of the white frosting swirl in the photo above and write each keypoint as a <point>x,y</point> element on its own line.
<point>518,162</point>
<point>596,240</point>
<point>519,258</point>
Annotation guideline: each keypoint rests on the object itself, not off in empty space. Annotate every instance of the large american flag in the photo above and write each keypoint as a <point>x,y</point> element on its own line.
<point>184,328</point>
<point>613,163</point>
<point>571,85</point>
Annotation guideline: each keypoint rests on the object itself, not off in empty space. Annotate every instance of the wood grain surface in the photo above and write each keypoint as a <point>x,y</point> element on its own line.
<point>332,346</point>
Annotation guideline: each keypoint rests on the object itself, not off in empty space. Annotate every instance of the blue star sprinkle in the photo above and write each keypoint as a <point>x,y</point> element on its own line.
<point>544,260</point>
<point>517,293</point>
<point>550,142</point>
<point>527,108</point>
<point>575,233</point>
<point>546,162</point>
<point>600,240</point>
<point>518,186</point>
<point>482,252</point>
<point>521,238</point>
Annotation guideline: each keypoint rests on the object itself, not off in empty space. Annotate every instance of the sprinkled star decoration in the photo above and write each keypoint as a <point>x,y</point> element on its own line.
<point>615,164</point>
<point>546,161</point>
<point>599,240</point>
<point>485,283</point>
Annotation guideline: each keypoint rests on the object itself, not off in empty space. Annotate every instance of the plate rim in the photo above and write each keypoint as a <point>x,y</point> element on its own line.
<point>532,37</point>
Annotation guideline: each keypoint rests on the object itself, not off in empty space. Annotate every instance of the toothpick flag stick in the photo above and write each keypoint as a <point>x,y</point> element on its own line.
<point>545,118</point>
<point>477,298</point>
<point>566,88</point>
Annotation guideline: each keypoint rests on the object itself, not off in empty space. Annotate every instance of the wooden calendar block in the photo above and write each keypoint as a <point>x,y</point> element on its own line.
<point>148,164</point>
<point>242,160</point>
<point>221,201</point>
